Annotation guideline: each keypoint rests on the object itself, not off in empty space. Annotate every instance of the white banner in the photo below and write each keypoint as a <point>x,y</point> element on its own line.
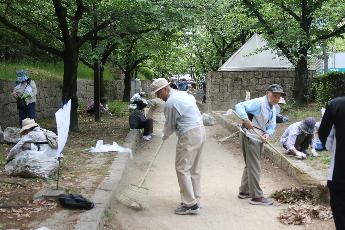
<point>62,117</point>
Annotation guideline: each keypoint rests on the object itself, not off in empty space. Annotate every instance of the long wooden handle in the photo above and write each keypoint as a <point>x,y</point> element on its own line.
<point>267,142</point>
<point>150,165</point>
<point>228,137</point>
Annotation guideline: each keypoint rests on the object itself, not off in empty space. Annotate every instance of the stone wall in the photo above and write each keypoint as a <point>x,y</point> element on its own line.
<point>226,88</point>
<point>49,97</point>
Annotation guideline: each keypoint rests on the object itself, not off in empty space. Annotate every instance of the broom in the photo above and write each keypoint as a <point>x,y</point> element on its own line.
<point>135,196</point>
<point>271,145</point>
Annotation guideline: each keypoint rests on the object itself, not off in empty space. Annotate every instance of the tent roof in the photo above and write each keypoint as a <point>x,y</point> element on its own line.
<point>255,55</point>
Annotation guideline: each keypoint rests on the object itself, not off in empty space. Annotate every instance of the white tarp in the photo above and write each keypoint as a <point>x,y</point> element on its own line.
<point>254,55</point>
<point>62,117</point>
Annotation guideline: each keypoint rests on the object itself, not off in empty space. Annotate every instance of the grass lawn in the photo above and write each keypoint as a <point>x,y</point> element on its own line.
<point>38,71</point>
<point>298,113</point>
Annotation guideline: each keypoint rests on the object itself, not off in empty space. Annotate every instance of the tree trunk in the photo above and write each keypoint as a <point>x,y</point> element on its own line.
<point>96,89</point>
<point>69,88</point>
<point>301,80</point>
<point>325,58</point>
<point>101,82</point>
<point>127,90</point>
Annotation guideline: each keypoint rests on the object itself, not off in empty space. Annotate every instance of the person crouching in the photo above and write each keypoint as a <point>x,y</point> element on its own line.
<point>138,120</point>
<point>297,138</point>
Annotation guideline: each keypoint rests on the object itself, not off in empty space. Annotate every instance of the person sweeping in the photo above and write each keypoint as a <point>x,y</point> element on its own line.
<point>259,114</point>
<point>184,118</point>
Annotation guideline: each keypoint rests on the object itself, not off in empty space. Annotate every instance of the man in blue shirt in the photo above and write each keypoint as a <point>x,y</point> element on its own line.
<point>259,114</point>
<point>183,86</point>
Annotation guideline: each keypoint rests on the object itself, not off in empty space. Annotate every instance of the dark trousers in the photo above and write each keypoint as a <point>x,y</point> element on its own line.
<point>147,126</point>
<point>28,111</point>
<point>204,99</point>
<point>303,141</point>
<point>337,201</point>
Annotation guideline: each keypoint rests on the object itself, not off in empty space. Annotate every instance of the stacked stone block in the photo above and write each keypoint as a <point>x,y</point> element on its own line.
<point>49,97</point>
<point>226,88</point>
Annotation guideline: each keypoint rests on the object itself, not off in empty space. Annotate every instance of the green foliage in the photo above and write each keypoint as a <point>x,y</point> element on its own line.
<point>298,113</point>
<point>118,108</point>
<point>46,70</point>
<point>145,73</point>
<point>328,86</point>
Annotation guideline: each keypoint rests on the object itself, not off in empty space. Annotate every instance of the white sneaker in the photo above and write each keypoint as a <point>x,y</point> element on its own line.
<point>147,138</point>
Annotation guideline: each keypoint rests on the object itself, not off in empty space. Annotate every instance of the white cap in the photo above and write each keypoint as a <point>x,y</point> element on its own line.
<point>158,84</point>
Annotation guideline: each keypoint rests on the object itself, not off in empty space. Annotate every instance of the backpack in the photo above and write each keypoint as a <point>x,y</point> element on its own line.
<point>52,139</point>
<point>75,201</point>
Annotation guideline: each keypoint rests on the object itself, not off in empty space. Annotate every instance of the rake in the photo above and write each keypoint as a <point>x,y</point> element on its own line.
<point>135,196</point>
<point>270,144</point>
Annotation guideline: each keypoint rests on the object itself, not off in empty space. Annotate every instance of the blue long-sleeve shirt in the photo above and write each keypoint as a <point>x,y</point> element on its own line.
<point>254,107</point>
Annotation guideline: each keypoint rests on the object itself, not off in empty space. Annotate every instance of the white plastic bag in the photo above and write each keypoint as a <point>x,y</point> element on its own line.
<point>102,148</point>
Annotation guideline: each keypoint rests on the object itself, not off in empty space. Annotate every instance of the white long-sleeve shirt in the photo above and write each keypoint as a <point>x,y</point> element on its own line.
<point>181,113</point>
<point>25,88</point>
<point>290,135</point>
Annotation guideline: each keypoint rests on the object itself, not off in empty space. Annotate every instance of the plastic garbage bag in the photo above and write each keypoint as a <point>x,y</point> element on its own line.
<point>12,135</point>
<point>102,148</point>
<point>318,145</point>
<point>32,163</point>
<point>208,119</point>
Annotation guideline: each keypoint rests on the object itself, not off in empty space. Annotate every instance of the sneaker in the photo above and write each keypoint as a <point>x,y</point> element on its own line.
<point>184,210</point>
<point>199,204</point>
<point>243,195</point>
<point>261,201</point>
<point>147,138</point>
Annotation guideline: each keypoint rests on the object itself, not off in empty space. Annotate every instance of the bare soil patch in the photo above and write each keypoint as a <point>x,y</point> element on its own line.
<point>81,171</point>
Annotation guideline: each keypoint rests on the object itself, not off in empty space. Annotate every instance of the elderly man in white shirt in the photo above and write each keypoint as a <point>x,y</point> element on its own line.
<point>297,138</point>
<point>184,118</point>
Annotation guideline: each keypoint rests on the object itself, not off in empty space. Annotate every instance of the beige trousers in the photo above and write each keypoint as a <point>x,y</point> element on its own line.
<point>188,164</point>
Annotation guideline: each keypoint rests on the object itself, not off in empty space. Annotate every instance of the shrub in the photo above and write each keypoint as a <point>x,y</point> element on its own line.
<point>145,73</point>
<point>118,108</point>
<point>328,86</point>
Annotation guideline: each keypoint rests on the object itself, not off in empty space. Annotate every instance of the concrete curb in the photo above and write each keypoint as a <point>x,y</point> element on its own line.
<point>297,169</point>
<point>105,193</point>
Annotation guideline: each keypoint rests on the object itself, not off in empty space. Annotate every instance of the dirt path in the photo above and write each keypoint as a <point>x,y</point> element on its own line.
<point>222,170</point>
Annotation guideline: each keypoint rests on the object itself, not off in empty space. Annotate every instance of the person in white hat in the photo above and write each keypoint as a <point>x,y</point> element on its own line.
<point>33,138</point>
<point>35,155</point>
<point>184,118</point>
<point>280,118</point>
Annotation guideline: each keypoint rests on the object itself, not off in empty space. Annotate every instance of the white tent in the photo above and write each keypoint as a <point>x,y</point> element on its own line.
<point>255,55</point>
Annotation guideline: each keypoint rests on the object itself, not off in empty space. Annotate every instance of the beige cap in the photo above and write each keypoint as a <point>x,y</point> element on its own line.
<point>158,84</point>
<point>28,123</point>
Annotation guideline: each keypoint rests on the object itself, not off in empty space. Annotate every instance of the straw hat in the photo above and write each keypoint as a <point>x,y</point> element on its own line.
<point>158,84</point>
<point>28,123</point>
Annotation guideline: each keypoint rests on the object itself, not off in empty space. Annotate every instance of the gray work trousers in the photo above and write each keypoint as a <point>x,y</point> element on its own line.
<point>188,164</point>
<point>252,171</point>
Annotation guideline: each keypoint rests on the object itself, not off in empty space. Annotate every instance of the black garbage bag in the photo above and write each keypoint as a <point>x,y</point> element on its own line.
<point>75,201</point>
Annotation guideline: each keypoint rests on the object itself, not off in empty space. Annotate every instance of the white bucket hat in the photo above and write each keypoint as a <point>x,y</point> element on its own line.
<point>28,123</point>
<point>281,101</point>
<point>158,84</point>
